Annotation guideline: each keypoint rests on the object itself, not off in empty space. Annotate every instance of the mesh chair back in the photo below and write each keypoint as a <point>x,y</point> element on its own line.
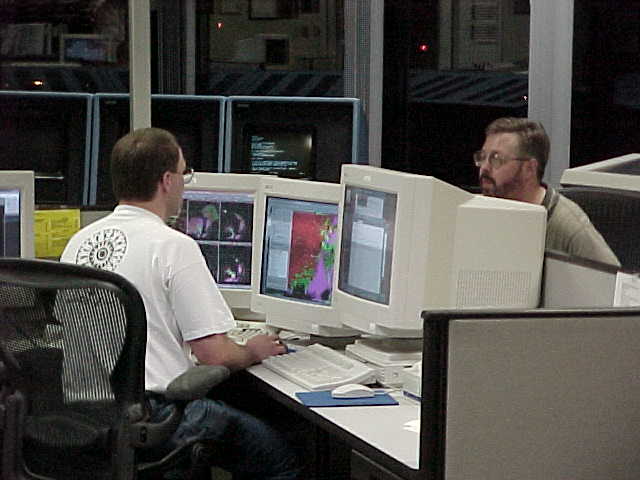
<point>616,215</point>
<point>72,342</point>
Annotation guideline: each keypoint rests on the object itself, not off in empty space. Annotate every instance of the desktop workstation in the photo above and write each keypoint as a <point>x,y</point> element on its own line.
<point>372,209</point>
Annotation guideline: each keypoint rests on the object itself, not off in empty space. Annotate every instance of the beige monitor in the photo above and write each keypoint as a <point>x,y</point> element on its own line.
<point>622,173</point>
<point>412,242</point>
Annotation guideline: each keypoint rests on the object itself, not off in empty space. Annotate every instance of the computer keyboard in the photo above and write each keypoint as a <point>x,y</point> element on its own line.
<point>317,367</point>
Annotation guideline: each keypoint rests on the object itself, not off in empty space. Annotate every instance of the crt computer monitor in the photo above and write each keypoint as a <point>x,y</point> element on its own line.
<point>48,133</point>
<point>411,242</point>
<point>16,214</point>
<point>294,265</point>
<point>280,150</point>
<point>195,120</point>
<point>218,212</point>
<point>620,173</point>
<point>296,137</point>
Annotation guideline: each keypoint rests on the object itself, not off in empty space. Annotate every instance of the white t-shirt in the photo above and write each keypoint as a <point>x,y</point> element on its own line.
<point>180,296</point>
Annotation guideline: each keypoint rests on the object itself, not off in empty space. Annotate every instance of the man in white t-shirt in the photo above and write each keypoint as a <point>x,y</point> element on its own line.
<point>186,314</point>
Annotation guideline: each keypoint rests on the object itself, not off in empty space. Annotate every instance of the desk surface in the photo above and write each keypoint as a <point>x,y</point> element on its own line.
<point>382,427</point>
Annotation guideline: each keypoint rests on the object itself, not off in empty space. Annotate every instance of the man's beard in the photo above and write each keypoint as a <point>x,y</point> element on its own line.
<point>510,189</point>
<point>488,186</point>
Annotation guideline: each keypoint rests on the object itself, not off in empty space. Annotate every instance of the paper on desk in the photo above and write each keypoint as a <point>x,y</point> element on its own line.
<point>413,425</point>
<point>627,292</point>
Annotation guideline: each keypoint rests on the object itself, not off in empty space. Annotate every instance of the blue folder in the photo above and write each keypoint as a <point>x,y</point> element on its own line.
<point>324,399</point>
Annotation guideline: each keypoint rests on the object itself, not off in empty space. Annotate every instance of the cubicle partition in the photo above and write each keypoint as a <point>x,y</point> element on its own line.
<point>570,281</point>
<point>538,394</point>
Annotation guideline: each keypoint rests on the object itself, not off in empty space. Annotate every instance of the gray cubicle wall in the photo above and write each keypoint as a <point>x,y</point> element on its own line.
<point>338,126</point>
<point>531,395</point>
<point>570,281</point>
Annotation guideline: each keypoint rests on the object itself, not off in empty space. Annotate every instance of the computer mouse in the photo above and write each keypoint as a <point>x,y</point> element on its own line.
<point>352,390</point>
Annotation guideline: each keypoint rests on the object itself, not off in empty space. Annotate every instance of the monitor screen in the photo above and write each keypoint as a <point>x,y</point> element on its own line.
<point>367,243</point>
<point>279,150</point>
<point>221,222</point>
<point>16,214</point>
<point>298,252</point>
<point>86,48</point>
<point>9,222</point>
<point>295,137</point>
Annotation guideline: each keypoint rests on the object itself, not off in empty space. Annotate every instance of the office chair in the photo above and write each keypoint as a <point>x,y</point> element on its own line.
<point>72,400</point>
<point>615,215</point>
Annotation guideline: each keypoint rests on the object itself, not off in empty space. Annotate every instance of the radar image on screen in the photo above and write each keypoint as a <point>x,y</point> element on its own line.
<point>299,253</point>
<point>221,223</point>
<point>277,150</point>
<point>367,243</point>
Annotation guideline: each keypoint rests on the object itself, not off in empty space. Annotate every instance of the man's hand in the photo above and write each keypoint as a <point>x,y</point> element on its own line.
<point>219,349</point>
<point>263,346</point>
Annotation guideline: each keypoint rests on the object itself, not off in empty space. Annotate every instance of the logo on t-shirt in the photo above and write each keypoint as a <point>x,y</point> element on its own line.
<point>104,249</point>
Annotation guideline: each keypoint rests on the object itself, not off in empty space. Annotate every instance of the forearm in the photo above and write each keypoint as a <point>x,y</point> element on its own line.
<point>221,350</point>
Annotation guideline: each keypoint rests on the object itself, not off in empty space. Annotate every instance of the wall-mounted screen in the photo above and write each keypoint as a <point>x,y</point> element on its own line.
<point>299,137</point>
<point>48,133</point>
<point>280,150</point>
<point>196,121</point>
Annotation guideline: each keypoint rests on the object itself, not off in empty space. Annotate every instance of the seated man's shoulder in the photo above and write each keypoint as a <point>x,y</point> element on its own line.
<point>568,210</point>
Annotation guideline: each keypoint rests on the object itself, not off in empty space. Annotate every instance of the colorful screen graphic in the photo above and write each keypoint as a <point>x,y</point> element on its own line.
<point>299,250</point>
<point>222,224</point>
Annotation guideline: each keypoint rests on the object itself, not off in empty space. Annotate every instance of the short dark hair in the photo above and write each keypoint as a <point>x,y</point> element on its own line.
<point>138,161</point>
<point>533,139</point>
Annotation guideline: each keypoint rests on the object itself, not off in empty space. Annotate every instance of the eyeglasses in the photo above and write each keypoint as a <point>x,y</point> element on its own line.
<point>495,159</point>
<point>187,175</point>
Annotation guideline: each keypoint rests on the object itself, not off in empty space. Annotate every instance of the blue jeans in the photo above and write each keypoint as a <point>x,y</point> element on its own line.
<point>257,451</point>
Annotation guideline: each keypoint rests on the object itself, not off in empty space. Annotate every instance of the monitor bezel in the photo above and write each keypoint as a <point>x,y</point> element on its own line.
<point>302,317</point>
<point>596,175</point>
<point>238,299</point>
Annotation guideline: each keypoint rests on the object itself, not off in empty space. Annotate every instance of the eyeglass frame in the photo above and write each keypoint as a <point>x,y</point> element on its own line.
<point>187,175</point>
<point>493,158</point>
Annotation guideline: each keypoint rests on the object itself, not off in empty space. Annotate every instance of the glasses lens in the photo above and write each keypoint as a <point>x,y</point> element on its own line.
<point>478,158</point>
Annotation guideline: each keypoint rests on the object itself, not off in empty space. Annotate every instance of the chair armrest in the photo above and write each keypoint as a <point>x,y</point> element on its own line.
<point>196,382</point>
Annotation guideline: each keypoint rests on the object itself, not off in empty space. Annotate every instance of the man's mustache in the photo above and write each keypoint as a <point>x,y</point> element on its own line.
<point>486,177</point>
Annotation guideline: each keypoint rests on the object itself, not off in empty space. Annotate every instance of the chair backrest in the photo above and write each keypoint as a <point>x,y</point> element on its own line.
<point>615,215</point>
<point>73,345</point>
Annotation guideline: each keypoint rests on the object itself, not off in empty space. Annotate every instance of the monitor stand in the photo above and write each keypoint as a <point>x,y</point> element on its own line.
<point>389,356</point>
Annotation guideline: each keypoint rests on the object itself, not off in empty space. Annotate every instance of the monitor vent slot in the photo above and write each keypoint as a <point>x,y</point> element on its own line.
<point>490,288</point>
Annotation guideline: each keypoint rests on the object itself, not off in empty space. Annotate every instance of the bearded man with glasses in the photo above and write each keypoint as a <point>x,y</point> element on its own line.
<point>511,165</point>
